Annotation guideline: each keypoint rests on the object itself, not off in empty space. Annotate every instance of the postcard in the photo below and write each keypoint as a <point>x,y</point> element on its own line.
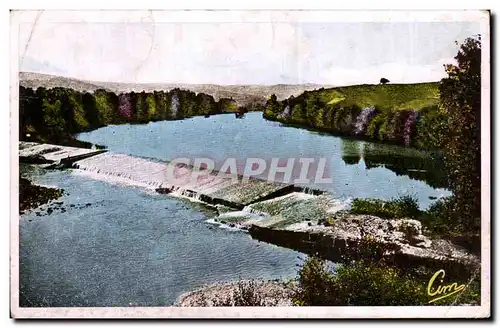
<point>250,164</point>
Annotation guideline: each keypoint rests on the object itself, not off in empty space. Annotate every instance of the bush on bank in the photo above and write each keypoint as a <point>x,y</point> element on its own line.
<point>436,220</point>
<point>367,283</point>
<point>397,208</point>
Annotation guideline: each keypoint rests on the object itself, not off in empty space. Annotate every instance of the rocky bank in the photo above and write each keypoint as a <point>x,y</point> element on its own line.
<point>239,293</point>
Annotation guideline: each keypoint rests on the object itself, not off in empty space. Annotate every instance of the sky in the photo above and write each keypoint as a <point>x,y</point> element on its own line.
<point>342,53</point>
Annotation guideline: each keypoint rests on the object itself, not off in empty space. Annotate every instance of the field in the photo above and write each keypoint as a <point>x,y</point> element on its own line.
<point>388,96</point>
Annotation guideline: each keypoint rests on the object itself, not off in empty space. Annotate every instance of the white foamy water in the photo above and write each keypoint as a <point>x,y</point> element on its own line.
<point>154,174</point>
<point>247,212</point>
<point>296,209</point>
<point>114,180</point>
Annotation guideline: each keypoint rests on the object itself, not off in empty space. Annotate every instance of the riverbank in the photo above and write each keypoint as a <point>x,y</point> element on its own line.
<point>358,283</point>
<point>32,196</point>
<point>240,293</point>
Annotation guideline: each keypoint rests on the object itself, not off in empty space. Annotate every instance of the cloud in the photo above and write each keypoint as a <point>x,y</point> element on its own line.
<point>244,53</point>
<point>30,64</point>
<point>395,72</point>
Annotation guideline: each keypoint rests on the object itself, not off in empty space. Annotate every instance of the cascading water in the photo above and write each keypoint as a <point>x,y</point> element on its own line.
<point>296,207</point>
<point>181,182</point>
<point>175,105</point>
<point>363,120</point>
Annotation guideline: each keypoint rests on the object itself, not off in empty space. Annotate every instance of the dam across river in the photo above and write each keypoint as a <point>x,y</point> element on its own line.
<point>152,174</point>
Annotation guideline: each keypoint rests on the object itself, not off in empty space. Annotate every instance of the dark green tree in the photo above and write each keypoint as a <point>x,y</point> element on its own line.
<point>460,97</point>
<point>272,107</point>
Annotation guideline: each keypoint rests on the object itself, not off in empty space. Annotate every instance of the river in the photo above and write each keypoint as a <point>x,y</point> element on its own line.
<point>110,244</point>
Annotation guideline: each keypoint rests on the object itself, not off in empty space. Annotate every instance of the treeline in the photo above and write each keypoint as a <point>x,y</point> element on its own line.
<point>55,115</point>
<point>422,128</point>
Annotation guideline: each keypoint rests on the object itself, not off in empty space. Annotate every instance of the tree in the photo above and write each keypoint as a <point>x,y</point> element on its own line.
<point>53,118</point>
<point>272,107</point>
<point>384,81</point>
<point>460,97</point>
<point>104,106</point>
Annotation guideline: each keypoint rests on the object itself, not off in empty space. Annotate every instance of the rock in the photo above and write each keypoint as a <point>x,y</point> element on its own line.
<point>164,190</point>
<point>409,227</point>
<point>32,196</point>
<point>34,159</point>
<point>352,237</point>
<point>260,293</point>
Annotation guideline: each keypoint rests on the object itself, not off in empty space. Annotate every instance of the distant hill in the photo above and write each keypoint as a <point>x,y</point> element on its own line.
<point>242,94</point>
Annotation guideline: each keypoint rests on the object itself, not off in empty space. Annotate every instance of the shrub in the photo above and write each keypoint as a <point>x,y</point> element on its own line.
<point>314,284</point>
<point>460,96</point>
<point>441,219</point>
<point>402,207</point>
<point>431,128</point>
<point>365,283</point>
<point>407,205</point>
<point>360,284</point>
<point>372,130</point>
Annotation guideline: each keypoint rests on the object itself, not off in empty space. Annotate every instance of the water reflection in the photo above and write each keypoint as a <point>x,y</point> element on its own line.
<point>418,165</point>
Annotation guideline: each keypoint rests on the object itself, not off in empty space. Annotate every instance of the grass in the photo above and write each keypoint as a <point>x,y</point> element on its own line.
<point>388,96</point>
<point>397,208</point>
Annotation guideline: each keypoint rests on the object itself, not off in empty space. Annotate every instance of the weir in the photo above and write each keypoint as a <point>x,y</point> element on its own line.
<point>32,152</point>
<point>153,174</point>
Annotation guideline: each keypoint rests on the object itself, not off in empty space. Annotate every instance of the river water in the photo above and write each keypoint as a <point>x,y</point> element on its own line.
<point>110,244</point>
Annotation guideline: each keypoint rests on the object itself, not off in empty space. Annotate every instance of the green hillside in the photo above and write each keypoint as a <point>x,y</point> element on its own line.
<point>388,96</point>
<point>391,113</point>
